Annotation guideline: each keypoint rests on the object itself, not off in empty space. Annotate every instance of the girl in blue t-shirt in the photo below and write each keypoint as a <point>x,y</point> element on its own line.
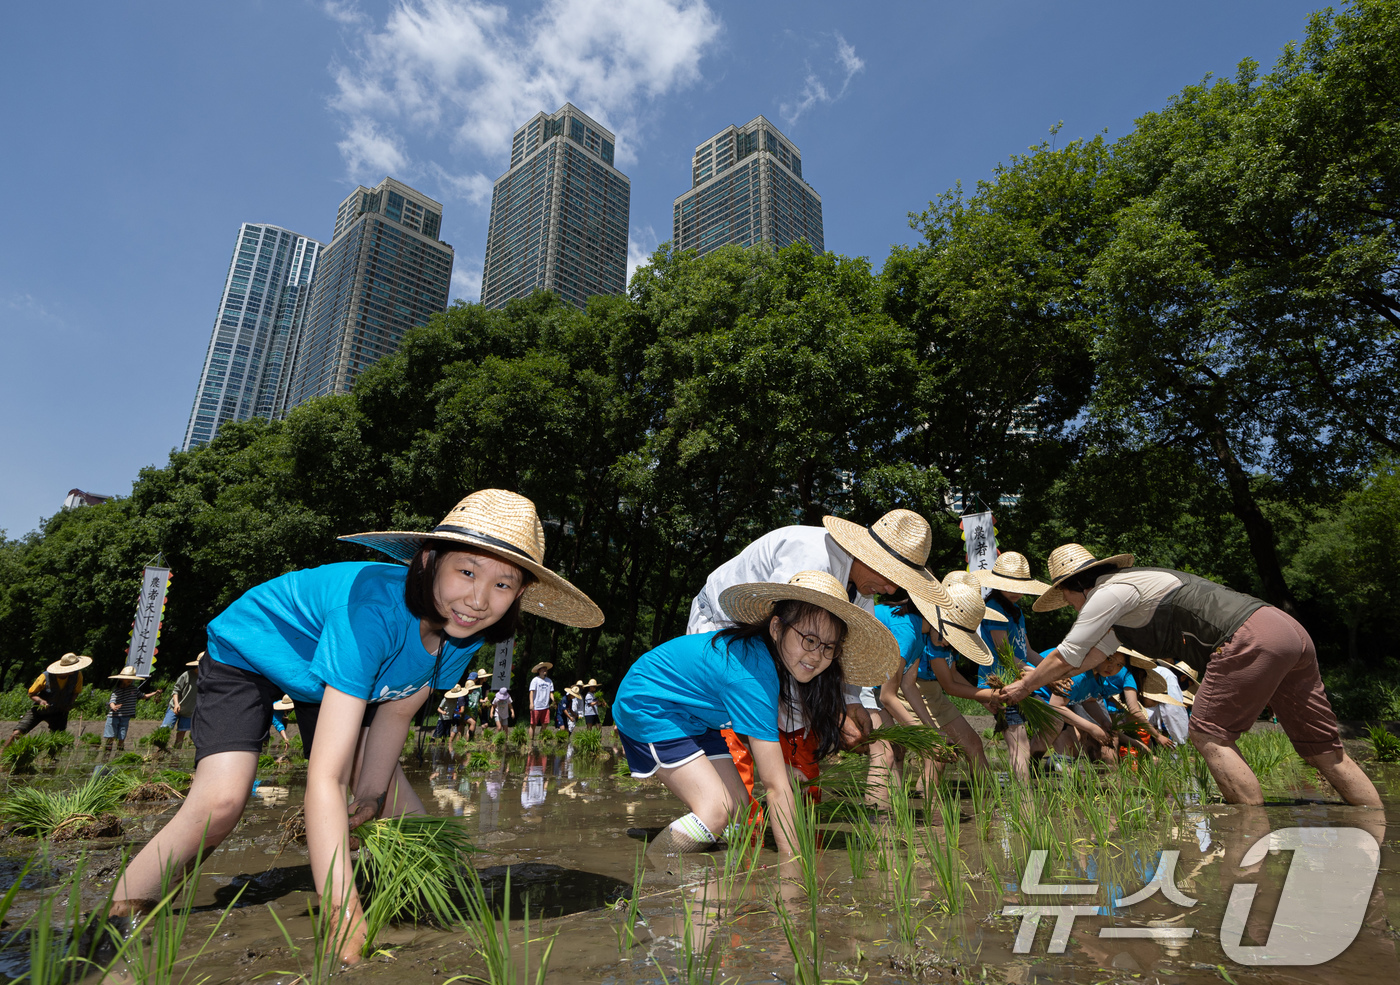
<point>675,699</point>
<point>345,641</point>
<point>928,635</point>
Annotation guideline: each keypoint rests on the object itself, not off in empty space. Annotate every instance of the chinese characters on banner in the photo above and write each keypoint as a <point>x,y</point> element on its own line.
<point>980,539</point>
<point>145,629</point>
<point>505,657</point>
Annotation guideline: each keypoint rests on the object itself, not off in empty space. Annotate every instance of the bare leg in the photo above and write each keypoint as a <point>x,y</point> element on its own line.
<point>217,796</point>
<point>1018,746</point>
<point>1237,782</point>
<point>710,788</point>
<point>969,741</point>
<point>1351,782</point>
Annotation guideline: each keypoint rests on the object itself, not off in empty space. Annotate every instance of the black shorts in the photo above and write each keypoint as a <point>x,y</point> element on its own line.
<point>57,719</point>
<point>234,712</point>
<point>590,720</point>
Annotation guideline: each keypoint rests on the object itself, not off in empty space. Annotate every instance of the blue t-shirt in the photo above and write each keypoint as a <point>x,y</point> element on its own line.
<point>932,653</point>
<point>340,625</point>
<point>695,683</point>
<point>908,632</point>
<point>1090,685</point>
<point>1015,630</point>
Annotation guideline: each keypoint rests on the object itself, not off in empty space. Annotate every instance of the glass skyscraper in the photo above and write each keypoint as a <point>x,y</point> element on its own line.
<point>261,315</point>
<point>559,215</point>
<point>384,272</point>
<point>746,187</point>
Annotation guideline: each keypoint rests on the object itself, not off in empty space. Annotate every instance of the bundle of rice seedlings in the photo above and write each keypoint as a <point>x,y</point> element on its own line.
<point>918,739</point>
<point>1123,722</point>
<point>57,743</point>
<point>91,739</point>
<point>19,755</point>
<point>519,734</point>
<point>128,759</point>
<point>480,761</point>
<point>412,868</point>
<point>160,738</point>
<point>42,813</point>
<point>587,742</point>
<point>1386,746</point>
<point>1041,719</point>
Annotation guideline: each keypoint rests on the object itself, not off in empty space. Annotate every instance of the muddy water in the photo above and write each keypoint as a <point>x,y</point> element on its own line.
<point>562,827</point>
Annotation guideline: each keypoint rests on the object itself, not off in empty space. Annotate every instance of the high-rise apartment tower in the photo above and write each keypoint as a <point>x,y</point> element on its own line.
<point>384,272</point>
<point>559,215</point>
<point>261,315</point>
<point>746,187</point>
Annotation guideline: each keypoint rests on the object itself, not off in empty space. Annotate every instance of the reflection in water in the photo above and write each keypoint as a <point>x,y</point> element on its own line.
<point>550,890</point>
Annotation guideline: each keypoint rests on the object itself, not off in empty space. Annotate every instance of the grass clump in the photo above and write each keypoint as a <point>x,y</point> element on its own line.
<point>519,735</point>
<point>480,761</point>
<point>587,742</point>
<point>1385,745</point>
<point>19,756</point>
<point>128,759</point>
<point>44,813</point>
<point>158,739</point>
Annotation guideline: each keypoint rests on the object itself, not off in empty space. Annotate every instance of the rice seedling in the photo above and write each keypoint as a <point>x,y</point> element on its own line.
<point>158,739</point>
<point>587,742</point>
<point>491,938</point>
<point>922,741</point>
<point>412,866</point>
<point>327,941</point>
<point>19,756</point>
<point>903,862</point>
<point>945,854</point>
<point>480,761</point>
<point>805,943</point>
<point>698,966</point>
<point>91,739</point>
<point>743,844</point>
<point>630,908</point>
<point>127,759</point>
<point>519,734</point>
<point>167,927</point>
<point>45,813</point>
<point>1385,746</point>
<point>1041,719</point>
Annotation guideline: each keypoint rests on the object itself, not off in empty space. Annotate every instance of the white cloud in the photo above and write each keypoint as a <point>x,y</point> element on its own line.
<point>343,12</point>
<point>474,187</point>
<point>814,89</point>
<point>472,72</point>
<point>641,244</point>
<point>370,153</point>
<point>466,280</point>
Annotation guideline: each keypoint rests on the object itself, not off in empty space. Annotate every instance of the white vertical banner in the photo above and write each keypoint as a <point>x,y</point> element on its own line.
<point>145,629</point>
<point>980,539</point>
<point>505,657</point>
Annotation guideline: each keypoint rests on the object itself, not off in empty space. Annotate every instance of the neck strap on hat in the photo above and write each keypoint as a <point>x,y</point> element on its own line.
<point>486,539</point>
<point>947,622</point>
<point>1012,577</point>
<point>870,529</point>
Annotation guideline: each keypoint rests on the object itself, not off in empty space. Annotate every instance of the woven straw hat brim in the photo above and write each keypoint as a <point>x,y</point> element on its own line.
<point>970,645</point>
<point>536,669</point>
<point>1156,688</point>
<point>1188,698</point>
<point>991,615</point>
<point>550,596</point>
<point>285,704</point>
<point>1181,666</point>
<point>458,692</point>
<point>82,663</point>
<point>856,541</point>
<point>481,675</point>
<point>990,579</point>
<point>126,674</point>
<point>1139,660</point>
<point>869,654</point>
<point>1055,599</point>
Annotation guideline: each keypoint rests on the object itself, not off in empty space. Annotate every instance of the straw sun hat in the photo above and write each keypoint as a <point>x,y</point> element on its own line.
<point>1183,667</point>
<point>458,692</point>
<point>536,669</point>
<point>896,546</point>
<point>1139,660</point>
<point>1068,560</point>
<point>286,704</point>
<point>505,525</point>
<point>869,654</point>
<point>1011,573</point>
<point>1154,686</point>
<point>128,674</point>
<point>69,663</point>
<point>958,621</point>
<point>960,577</point>
<point>196,660</point>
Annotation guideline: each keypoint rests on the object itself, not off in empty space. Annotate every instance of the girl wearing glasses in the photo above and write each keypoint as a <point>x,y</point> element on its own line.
<point>675,699</point>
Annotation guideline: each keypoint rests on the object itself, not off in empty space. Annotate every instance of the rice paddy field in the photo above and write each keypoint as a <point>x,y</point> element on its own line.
<point>534,870</point>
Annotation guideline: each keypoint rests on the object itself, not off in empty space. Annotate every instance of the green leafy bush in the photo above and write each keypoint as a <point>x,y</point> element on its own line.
<point>19,755</point>
<point>1386,746</point>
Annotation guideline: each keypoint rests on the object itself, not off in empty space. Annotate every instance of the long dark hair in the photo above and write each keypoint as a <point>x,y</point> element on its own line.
<point>821,698</point>
<point>422,577</point>
<point>1082,581</point>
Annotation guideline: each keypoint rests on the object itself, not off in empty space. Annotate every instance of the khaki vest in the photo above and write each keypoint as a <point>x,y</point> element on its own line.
<point>1191,619</point>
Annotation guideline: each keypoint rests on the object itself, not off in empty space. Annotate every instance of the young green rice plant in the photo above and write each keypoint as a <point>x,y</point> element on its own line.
<point>57,743</point>
<point>413,868</point>
<point>491,937</point>
<point>328,938</point>
<point>904,864</point>
<point>945,854</point>
<point>158,739</point>
<point>630,909</point>
<point>1041,719</point>
<point>519,734</point>
<point>19,756</point>
<point>1385,746</point>
<point>91,739</point>
<point>127,759</point>
<point>480,761</point>
<point>698,965</point>
<point>159,951</point>
<point>42,813</point>
<point>743,846</point>
<point>587,742</point>
<point>804,938</point>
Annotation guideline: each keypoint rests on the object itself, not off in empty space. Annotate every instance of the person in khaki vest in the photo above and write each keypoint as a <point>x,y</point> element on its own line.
<point>1253,655</point>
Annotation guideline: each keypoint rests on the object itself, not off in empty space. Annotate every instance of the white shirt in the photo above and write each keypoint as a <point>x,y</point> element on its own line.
<point>541,688</point>
<point>774,557</point>
<point>1169,718</point>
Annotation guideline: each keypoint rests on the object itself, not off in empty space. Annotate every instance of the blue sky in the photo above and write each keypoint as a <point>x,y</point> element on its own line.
<point>137,136</point>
